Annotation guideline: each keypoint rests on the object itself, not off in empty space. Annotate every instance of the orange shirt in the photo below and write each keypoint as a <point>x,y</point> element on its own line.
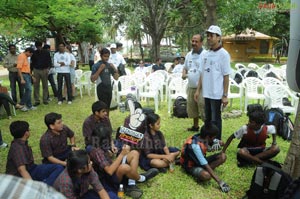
<point>22,63</point>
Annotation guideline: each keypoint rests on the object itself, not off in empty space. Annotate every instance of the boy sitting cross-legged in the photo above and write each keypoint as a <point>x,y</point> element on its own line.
<point>193,156</point>
<point>252,147</point>
<point>54,142</point>
<point>122,170</point>
<point>20,161</point>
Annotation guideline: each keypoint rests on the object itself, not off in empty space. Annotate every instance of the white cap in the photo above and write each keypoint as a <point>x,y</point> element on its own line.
<point>215,29</point>
<point>113,46</point>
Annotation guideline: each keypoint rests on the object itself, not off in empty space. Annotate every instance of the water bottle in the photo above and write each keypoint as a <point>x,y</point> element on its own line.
<point>121,192</point>
<point>171,167</point>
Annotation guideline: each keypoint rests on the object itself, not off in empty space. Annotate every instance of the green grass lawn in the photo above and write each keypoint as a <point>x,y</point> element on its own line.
<point>175,185</point>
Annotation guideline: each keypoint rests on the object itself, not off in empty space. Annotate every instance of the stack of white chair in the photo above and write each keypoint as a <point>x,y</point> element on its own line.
<point>253,89</point>
<point>274,95</point>
<point>177,87</point>
<point>235,90</point>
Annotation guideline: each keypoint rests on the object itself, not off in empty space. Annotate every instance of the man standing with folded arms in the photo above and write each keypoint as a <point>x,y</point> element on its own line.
<point>214,78</point>
<point>25,76</point>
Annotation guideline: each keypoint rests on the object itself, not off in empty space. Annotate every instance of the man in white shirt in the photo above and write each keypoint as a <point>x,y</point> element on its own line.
<point>62,63</point>
<point>141,68</point>
<point>214,79</point>
<point>117,59</point>
<point>191,70</point>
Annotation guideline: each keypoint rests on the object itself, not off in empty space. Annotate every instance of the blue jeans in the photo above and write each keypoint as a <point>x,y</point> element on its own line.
<point>46,173</point>
<point>213,113</point>
<point>14,79</point>
<point>26,99</point>
<point>67,77</point>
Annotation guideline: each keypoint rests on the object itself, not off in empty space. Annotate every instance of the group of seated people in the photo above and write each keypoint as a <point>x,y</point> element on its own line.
<point>105,163</point>
<point>175,67</point>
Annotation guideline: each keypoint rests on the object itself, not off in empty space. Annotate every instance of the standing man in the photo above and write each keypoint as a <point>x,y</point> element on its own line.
<point>10,62</point>
<point>191,70</point>
<point>62,63</point>
<point>214,79</point>
<point>40,63</point>
<point>25,76</point>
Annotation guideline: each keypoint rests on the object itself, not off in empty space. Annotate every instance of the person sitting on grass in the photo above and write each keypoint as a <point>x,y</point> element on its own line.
<point>252,147</point>
<point>20,161</point>
<point>154,151</point>
<point>122,170</point>
<point>193,156</point>
<point>54,142</point>
<point>79,175</point>
<point>99,117</point>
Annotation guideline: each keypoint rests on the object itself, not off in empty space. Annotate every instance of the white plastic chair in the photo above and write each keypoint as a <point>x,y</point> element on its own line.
<point>85,81</point>
<point>127,87</point>
<point>128,71</point>
<point>261,72</point>
<point>161,78</point>
<point>239,66</point>
<point>168,65</point>
<point>274,95</point>
<point>235,90</point>
<point>268,81</point>
<point>253,89</point>
<point>139,80</point>
<point>152,87</point>
<point>177,87</point>
<point>77,81</point>
<point>253,66</point>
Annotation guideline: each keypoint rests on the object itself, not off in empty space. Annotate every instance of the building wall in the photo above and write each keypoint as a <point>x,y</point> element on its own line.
<point>245,50</point>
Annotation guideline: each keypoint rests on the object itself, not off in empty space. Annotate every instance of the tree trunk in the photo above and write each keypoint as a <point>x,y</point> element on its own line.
<point>292,160</point>
<point>211,18</point>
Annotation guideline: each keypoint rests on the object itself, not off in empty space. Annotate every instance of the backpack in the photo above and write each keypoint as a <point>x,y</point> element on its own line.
<point>268,182</point>
<point>284,126</point>
<point>179,107</point>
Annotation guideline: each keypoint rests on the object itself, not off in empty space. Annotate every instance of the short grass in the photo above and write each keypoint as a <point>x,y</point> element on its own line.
<point>177,185</point>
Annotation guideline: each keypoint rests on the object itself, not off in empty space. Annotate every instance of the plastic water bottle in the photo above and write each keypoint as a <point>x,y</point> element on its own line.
<point>121,192</point>
<point>171,167</point>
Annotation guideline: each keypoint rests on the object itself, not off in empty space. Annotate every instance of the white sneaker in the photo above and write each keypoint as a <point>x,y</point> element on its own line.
<point>69,102</point>
<point>24,109</point>
<point>59,102</point>
<point>3,145</point>
<point>32,108</point>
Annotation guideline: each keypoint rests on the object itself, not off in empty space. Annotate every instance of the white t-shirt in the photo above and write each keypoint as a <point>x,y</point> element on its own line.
<point>116,59</point>
<point>192,66</point>
<point>62,57</point>
<point>243,130</point>
<point>178,68</point>
<point>214,66</point>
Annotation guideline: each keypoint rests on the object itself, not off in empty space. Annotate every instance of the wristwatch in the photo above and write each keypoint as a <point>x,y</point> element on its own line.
<point>225,95</point>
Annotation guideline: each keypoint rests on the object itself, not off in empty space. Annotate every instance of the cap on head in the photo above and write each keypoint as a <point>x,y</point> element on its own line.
<point>215,29</point>
<point>113,46</point>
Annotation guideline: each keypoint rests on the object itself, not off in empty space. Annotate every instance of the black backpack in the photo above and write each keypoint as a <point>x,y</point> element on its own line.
<point>284,126</point>
<point>121,70</point>
<point>268,182</point>
<point>179,107</point>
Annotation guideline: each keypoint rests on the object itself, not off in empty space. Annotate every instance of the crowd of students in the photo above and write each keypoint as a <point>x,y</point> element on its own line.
<point>104,166</point>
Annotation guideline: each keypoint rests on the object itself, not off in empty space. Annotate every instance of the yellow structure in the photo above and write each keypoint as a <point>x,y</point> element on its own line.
<point>248,44</point>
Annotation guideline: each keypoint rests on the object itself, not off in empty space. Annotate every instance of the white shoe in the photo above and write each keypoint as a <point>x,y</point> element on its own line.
<point>3,145</point>
<point>69,102</point>
<point>24,109</point>
<point>59,102</point>
<point>32,108</point>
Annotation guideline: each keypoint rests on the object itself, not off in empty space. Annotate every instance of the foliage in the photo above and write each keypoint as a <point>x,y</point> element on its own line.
<point>177,185</point>
<point>67,20</point>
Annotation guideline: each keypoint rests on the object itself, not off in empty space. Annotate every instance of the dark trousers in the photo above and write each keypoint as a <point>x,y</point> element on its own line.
<point>213,113</point>
<point>5,100</point>
<point>91,63</point>
<point>14,79</point>
<point>40,75</point>
<point>46,173</point>
<point>53,85</point>
<point>104,93</point>
<point>67,77</point>
<point>91,194</point>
